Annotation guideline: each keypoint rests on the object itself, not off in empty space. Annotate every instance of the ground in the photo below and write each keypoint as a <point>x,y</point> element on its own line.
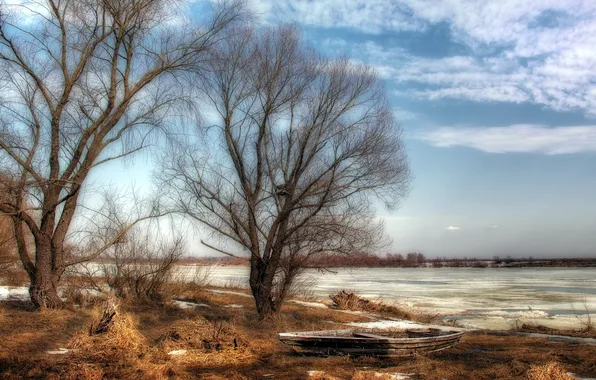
<point>225,340</point>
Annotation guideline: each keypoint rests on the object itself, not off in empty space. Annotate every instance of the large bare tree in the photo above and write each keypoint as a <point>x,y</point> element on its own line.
<point>85,82</point>
<point>301,149</point>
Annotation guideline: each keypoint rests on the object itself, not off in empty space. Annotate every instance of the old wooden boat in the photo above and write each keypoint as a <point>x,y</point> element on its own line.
<point>370,343</point>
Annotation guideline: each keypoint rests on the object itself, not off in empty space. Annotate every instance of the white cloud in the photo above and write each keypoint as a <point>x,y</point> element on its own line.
<point>521,138</point>
<point>25,11</point>
<point>402,114</point>
<point>559,82</point>
<point>546,48</point>
<point>369,16</point>
<point>452,228</point>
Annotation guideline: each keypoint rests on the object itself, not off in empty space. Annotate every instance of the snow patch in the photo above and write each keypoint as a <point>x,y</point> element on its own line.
<point>399,376</point>
<point>530,314</point>
<point>177,352</point>
<point>401,324</point>
<point>234,305</point>
<point>230,292</point>
<point>188,305</point>
<point>385,324</point>
<point>12,293</point>
<point>60,351</point>
<point>394,375</point>
<point>319,305</point>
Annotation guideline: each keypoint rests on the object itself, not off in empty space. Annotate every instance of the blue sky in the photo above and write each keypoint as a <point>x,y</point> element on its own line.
<point>497,100</point>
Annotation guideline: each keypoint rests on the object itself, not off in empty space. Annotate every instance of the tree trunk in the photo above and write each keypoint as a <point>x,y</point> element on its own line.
<point>261,290</point>
<point>44,282</point>
<point>44,292</point>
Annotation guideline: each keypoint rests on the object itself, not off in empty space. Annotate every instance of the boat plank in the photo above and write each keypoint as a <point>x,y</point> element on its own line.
<point>369,343</point>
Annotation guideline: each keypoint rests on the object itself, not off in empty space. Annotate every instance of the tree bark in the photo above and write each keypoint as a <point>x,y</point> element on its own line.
<point>44,282</point>
<point>261,290</point>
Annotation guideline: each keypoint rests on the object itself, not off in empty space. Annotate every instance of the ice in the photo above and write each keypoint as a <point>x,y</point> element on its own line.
<point>519,314</point>
<point>472,297</point>
<point>398,324</point>
<point>385,324</point>
<point>14,293</point>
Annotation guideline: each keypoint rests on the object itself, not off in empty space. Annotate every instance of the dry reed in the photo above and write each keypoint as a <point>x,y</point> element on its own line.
<point>548,371</point>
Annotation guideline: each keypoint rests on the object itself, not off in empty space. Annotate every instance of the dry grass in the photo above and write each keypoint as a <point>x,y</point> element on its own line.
<point>586,332</point>
<point>372,375</point>
<point>548,371</point>
<point>231,343</point>
<point>351,301</point>
<point>320,375</point>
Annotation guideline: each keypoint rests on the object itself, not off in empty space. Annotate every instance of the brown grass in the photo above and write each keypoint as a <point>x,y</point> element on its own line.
<point>587,332</point>
<point>138,346</point>
<point>372,375</point>
<point>548,371</point>
<point>351,301</point>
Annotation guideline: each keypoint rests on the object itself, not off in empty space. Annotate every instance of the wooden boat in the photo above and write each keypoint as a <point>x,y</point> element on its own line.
<point>366,343</point>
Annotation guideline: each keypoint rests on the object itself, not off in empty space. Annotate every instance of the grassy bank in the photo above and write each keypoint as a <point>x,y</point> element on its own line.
<point>223,339</point>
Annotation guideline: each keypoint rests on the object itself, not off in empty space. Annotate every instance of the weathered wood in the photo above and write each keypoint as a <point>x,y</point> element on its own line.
<point>368,335</point>
<point>368,343</point>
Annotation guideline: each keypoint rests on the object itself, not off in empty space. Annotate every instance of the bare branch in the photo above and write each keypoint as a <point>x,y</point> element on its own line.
<point>224,252</point>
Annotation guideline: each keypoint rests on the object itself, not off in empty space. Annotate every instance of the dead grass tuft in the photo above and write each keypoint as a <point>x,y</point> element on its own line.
<point>586,332</point>
<point>548,371</point>
<point>206,343</point>
<point>351,301</point>
<point>320,375</point>
<point>202,334</point>
<point>83,371</point>
<point>121,340</point>
<point>373,375</point>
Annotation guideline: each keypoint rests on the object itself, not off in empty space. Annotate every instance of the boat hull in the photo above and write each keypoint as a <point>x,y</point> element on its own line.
<point>358,343</point>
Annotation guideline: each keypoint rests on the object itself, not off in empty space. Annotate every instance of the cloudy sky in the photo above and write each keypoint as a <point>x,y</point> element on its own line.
<point>498,103</point>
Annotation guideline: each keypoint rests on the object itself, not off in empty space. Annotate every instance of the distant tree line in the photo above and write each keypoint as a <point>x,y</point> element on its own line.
<point>412,260</point>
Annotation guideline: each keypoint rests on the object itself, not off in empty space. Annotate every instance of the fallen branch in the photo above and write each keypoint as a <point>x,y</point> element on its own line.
<point>103,324</point>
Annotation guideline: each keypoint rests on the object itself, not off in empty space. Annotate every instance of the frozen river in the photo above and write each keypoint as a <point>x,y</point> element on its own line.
<point>496,298</point>
<point>491,297</point>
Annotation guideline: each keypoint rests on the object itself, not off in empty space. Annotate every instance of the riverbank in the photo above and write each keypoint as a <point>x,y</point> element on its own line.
<point>216,335</point>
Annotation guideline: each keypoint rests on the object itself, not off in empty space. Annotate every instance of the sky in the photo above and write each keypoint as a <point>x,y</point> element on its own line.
<point>497,100</point>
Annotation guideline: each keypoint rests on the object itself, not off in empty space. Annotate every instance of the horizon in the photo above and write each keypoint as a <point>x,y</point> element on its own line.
<point>498,115</point>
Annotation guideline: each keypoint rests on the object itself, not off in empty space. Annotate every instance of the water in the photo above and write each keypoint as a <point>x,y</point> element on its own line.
<point>472,297</point>
<point>496,298</point>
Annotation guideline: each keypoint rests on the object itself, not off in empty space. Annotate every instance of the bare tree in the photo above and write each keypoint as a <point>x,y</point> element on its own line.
<point>85,82</point>
<point>302,147</point>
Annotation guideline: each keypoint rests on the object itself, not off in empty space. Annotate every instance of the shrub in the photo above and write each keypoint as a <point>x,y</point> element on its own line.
<point>139,269</point>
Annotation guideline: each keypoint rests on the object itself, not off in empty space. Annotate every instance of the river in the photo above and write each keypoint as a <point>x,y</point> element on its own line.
<point>469,297</point>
